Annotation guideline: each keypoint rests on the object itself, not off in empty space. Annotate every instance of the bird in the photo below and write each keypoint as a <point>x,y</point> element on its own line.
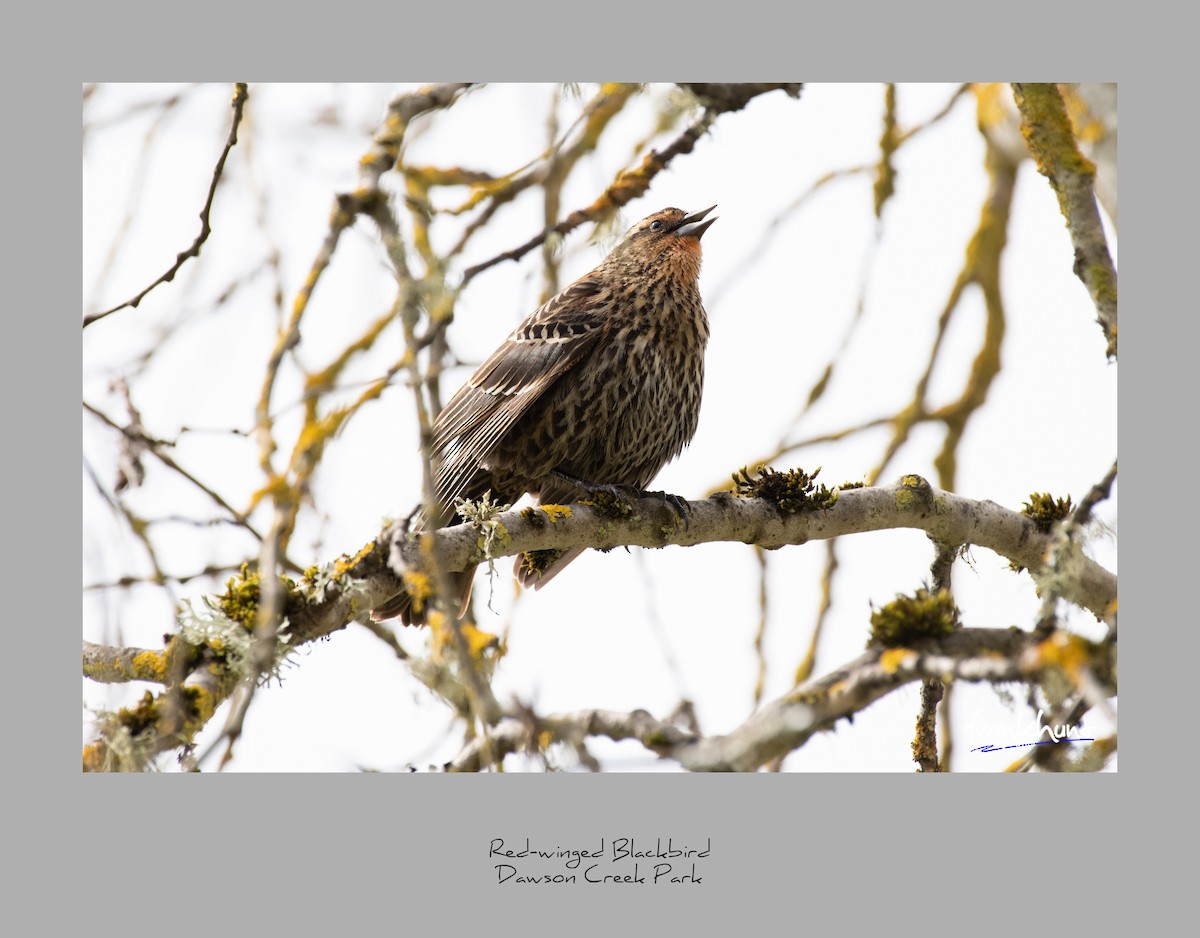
<point>596,390</point>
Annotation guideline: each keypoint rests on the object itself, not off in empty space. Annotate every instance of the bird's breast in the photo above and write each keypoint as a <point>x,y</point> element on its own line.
<point>627,407</point>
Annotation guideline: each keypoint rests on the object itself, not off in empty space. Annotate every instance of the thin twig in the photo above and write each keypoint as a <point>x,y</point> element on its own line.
<point>240,95</point>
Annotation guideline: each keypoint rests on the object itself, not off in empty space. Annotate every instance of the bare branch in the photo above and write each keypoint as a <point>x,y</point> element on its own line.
<point>158,448</point>
<point>240,96</point>
<point>633,183</point>
<point>513,735</point>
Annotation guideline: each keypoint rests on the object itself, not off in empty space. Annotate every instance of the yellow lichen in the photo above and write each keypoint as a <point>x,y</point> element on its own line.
<point>894,658</point>
<point>239,602</point>
<point>477,640</point>
<point>94,757</point>
<point>419,587</point>
<point>1069,653</point>
<point>556,512</point>
<point>344,565</point>
<point>150,666</point>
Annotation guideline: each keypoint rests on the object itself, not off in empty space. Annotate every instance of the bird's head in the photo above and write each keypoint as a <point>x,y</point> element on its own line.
<point>669,238</point>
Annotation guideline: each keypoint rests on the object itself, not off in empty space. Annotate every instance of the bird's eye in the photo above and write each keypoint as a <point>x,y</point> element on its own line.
<point>655,225</point>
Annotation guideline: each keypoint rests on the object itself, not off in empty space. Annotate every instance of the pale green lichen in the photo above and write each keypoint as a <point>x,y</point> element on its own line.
<point>484,515</point>
<point>232,642</point>
<point>122,750</point>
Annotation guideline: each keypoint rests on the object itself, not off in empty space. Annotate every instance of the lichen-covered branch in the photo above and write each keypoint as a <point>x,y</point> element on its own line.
<point>786,724</point>
<point>328,599</point>
<point>992,655</point>
<point>1047,131</point>
<point>112,664</point>
<point>346,589</point>
<point>369,199</point>
<point>909,503</point>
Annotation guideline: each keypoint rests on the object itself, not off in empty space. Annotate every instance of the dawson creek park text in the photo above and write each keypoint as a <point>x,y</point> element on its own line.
<point>622,860</point>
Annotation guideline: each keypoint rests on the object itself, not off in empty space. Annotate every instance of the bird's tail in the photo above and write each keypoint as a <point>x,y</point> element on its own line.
<point>536,569</point>
<point>414,610</point>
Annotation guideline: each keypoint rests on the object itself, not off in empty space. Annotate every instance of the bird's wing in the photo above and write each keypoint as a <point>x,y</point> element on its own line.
<point>556,336</point>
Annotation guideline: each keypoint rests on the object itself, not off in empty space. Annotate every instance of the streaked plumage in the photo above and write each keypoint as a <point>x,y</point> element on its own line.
<point>600,384</point>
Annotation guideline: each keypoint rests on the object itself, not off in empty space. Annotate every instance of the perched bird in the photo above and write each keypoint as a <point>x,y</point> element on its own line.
<point>597,390</point>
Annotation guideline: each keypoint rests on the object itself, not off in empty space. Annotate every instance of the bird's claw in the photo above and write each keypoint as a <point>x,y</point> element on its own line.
<point>615,499</point>
<point>627,494</point>
<point>677,503</point>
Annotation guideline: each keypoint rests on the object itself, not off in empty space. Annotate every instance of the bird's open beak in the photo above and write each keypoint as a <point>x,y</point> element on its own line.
<point>694,225</point>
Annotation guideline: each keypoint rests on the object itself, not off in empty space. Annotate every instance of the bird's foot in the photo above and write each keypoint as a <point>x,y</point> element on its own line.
<point>677,503</point>
<point>617,498</point>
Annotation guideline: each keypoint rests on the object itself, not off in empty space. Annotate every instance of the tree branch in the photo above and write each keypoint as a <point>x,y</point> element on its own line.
<point>346,590</point>
<point>633,183</point>
<point>1048,133</point>
<point>910,503</point>
<point>240,95</point>
<point>786,724</point>
<point>993,655</point>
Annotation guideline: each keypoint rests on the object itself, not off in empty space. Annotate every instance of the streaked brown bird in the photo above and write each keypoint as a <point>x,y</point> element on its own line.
<point>597,390</point>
